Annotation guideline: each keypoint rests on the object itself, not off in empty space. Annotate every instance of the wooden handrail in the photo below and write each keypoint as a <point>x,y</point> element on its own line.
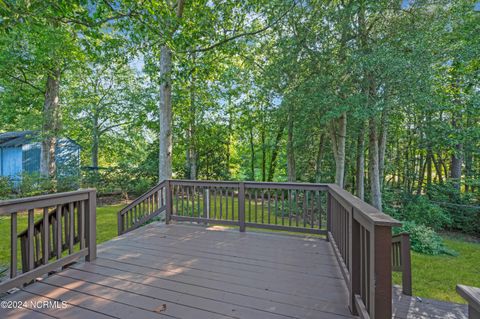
<point>472,296</point>
<point>401,261</point>
<point>361,237</point>
<point>143,209</point>
<point>36,240</point>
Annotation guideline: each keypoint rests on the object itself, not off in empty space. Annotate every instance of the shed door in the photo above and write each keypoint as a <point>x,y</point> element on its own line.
<point>12,162</point>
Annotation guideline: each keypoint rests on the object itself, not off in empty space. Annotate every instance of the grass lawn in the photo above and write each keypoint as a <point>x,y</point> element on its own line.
<point>434,277</point>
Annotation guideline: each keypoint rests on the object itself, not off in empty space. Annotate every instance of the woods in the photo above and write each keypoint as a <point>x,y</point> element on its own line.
<point>380,97</point>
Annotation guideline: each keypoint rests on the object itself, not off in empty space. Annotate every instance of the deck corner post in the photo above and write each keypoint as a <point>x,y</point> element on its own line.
<point>169,204</point>
<point>120,223</point>
<point>382,271</point>
<point>329,212</point>
<point>241,206</point>
<point>91,223</point>
<point>354,261</point>
<point>406,265</point>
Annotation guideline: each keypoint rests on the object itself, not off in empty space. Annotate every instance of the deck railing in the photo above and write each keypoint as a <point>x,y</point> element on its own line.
<point>472,297</point>
<point>361,235</point>
<point>401,260</point>
<point>65,233</point>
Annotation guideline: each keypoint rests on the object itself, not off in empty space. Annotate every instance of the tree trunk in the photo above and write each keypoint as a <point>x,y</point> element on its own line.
<point>373,165</point>
<point>438,169</point>
<point>291,173</point>
<point>421,174</point>
<point>360,176</point>
<point>456,160</point>
<point>338,132</point>
<point>429,167</point>
<point>165,104</point>
<point>51,125</point>
<point>264,155</point>
<point>230,126</point>
<point>95,141</point>
<point>252,155</point>
<point>192,151</point>
<point>318,161</point>
<point>382,147</point>
<point>273,158</point>
<point>165,116</point>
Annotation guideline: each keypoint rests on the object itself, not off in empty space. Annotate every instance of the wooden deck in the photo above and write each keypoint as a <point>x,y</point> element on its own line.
<point>182,271</point>
<point>193,272</point>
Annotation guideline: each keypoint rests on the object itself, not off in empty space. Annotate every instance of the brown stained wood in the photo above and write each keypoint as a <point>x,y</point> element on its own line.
<point>472,296</point>
<point>256,206</point>
<point>22,204</point>
<point>226,203</point>
<point>91,225</point>
<point>241,206</point>
<point>233,204</point>
<point>45,237</point>
<point>81,222</point>
<point>39,271</point>
<point>268,205</point>
<point>30,249</point>
<point>58,232</point>
<point>71,231</point>
<point>13,245</point>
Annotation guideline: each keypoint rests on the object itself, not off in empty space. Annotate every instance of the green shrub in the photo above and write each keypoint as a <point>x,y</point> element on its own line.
<point>423,239</point>
<point>420,210</point>
<point>6,187</point>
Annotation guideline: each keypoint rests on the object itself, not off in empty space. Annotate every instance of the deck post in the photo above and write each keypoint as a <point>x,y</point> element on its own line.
<point>406,265</point>
<point>355,266</point>
<point>120,224</point>
<point>206,205</point>
<point>169,204</point>
<point>382,271</point>
<point>241,206</point>
<point>329,213</point>
<point>91,223</point>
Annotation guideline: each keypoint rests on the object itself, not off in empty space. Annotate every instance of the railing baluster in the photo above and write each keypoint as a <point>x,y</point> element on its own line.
<point>233,205</point>
<point>30,250</point>
<point>268,206</point>
<point>290,205</point>
<point>58,234</point>
<point>226,203</point>
<point>13,245</point>
<point>256,204</point>
<point>221,203</point>
<point>46,237</point>
<point>72,228</point>
<point>276,206</point>
<point>263,205</point>
<point>199,190</point>
<point>81,221</point>
<point>241,206</point>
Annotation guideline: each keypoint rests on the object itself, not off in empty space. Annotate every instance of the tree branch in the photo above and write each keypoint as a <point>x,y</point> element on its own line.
<point>25,81</point>
<point>244,34</point>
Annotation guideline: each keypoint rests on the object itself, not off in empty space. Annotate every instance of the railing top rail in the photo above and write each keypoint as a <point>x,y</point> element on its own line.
<point>19,204</point>
<point>248,183</point>
<point>471,295</point>
<point>366,210</point>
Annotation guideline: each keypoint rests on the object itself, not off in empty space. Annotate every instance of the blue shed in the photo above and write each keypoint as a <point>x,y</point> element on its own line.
<point>20,152</point>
